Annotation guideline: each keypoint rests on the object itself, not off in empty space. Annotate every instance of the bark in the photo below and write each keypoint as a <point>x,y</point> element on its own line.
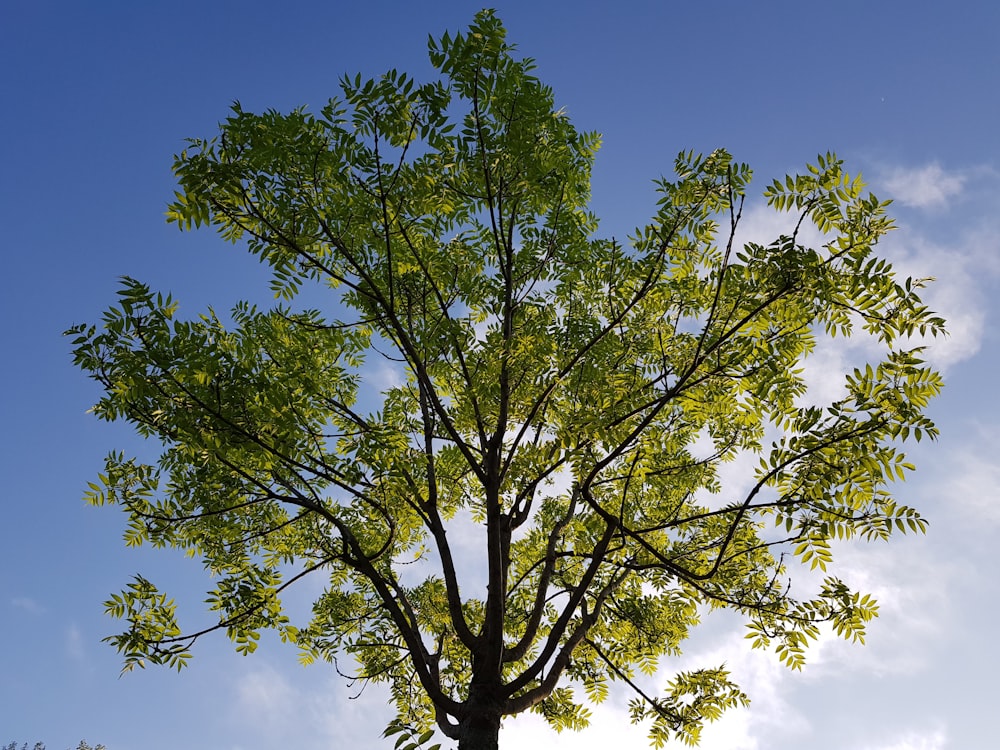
<point>479,729</point>
<point>480,732</point>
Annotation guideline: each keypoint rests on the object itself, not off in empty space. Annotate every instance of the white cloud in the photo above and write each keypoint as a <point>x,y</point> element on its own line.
<point>768,684</point>
<point>377,377</point>
<point>609,728</point>
<point>933,739</point>
<point>923,187</point>
<point>27,604</point>
<point>763,225</point>
<point>73,642</point>
<point>972,475</point>
<point>962,256</point>
<point>265,698</point>
<point>960,274</point>
<point>912,587</point>
<point>758,673</point>
<point>383,376</point>
<point>963,266</point>
<point>307,708</point>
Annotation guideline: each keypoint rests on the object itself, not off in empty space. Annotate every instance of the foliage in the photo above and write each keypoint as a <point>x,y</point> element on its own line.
<point>564,401</point>
<point>409,737</point>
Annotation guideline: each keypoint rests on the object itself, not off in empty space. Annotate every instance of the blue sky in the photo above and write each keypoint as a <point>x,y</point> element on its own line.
<point>99,96</point>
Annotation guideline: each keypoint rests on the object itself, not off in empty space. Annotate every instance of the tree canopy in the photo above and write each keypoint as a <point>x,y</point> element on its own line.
<point>533,512</point>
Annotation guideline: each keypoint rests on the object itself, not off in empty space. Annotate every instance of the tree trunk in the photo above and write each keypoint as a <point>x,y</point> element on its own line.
<point>480,728</point>
<point>480,733</point>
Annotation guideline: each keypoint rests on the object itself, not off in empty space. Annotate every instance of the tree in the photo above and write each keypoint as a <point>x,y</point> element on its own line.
<point>41,746</point>
<point>565,402</point>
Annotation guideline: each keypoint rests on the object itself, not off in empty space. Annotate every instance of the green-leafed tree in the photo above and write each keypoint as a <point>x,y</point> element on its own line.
<point>533,513</point>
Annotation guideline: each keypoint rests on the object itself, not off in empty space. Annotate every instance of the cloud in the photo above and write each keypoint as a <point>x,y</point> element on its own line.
<point>762,224</point>
<point>384,375</point>
<point>912,586</point>
<point>962,272</point>
<point>972,475</point>
<point>928,187</point>
<point>933,739</point>
<point>27,604</point>
<point>73,643</point>
<point>766,681</point>
<point>758,673</point>
<point>962,255</point>
<point>307,709</point>
<point>265,698</point>
<point>963,258</point>
<point>609,727</point>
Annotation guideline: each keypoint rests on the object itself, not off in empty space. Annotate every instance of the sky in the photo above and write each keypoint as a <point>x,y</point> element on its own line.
<point>97,97</point>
